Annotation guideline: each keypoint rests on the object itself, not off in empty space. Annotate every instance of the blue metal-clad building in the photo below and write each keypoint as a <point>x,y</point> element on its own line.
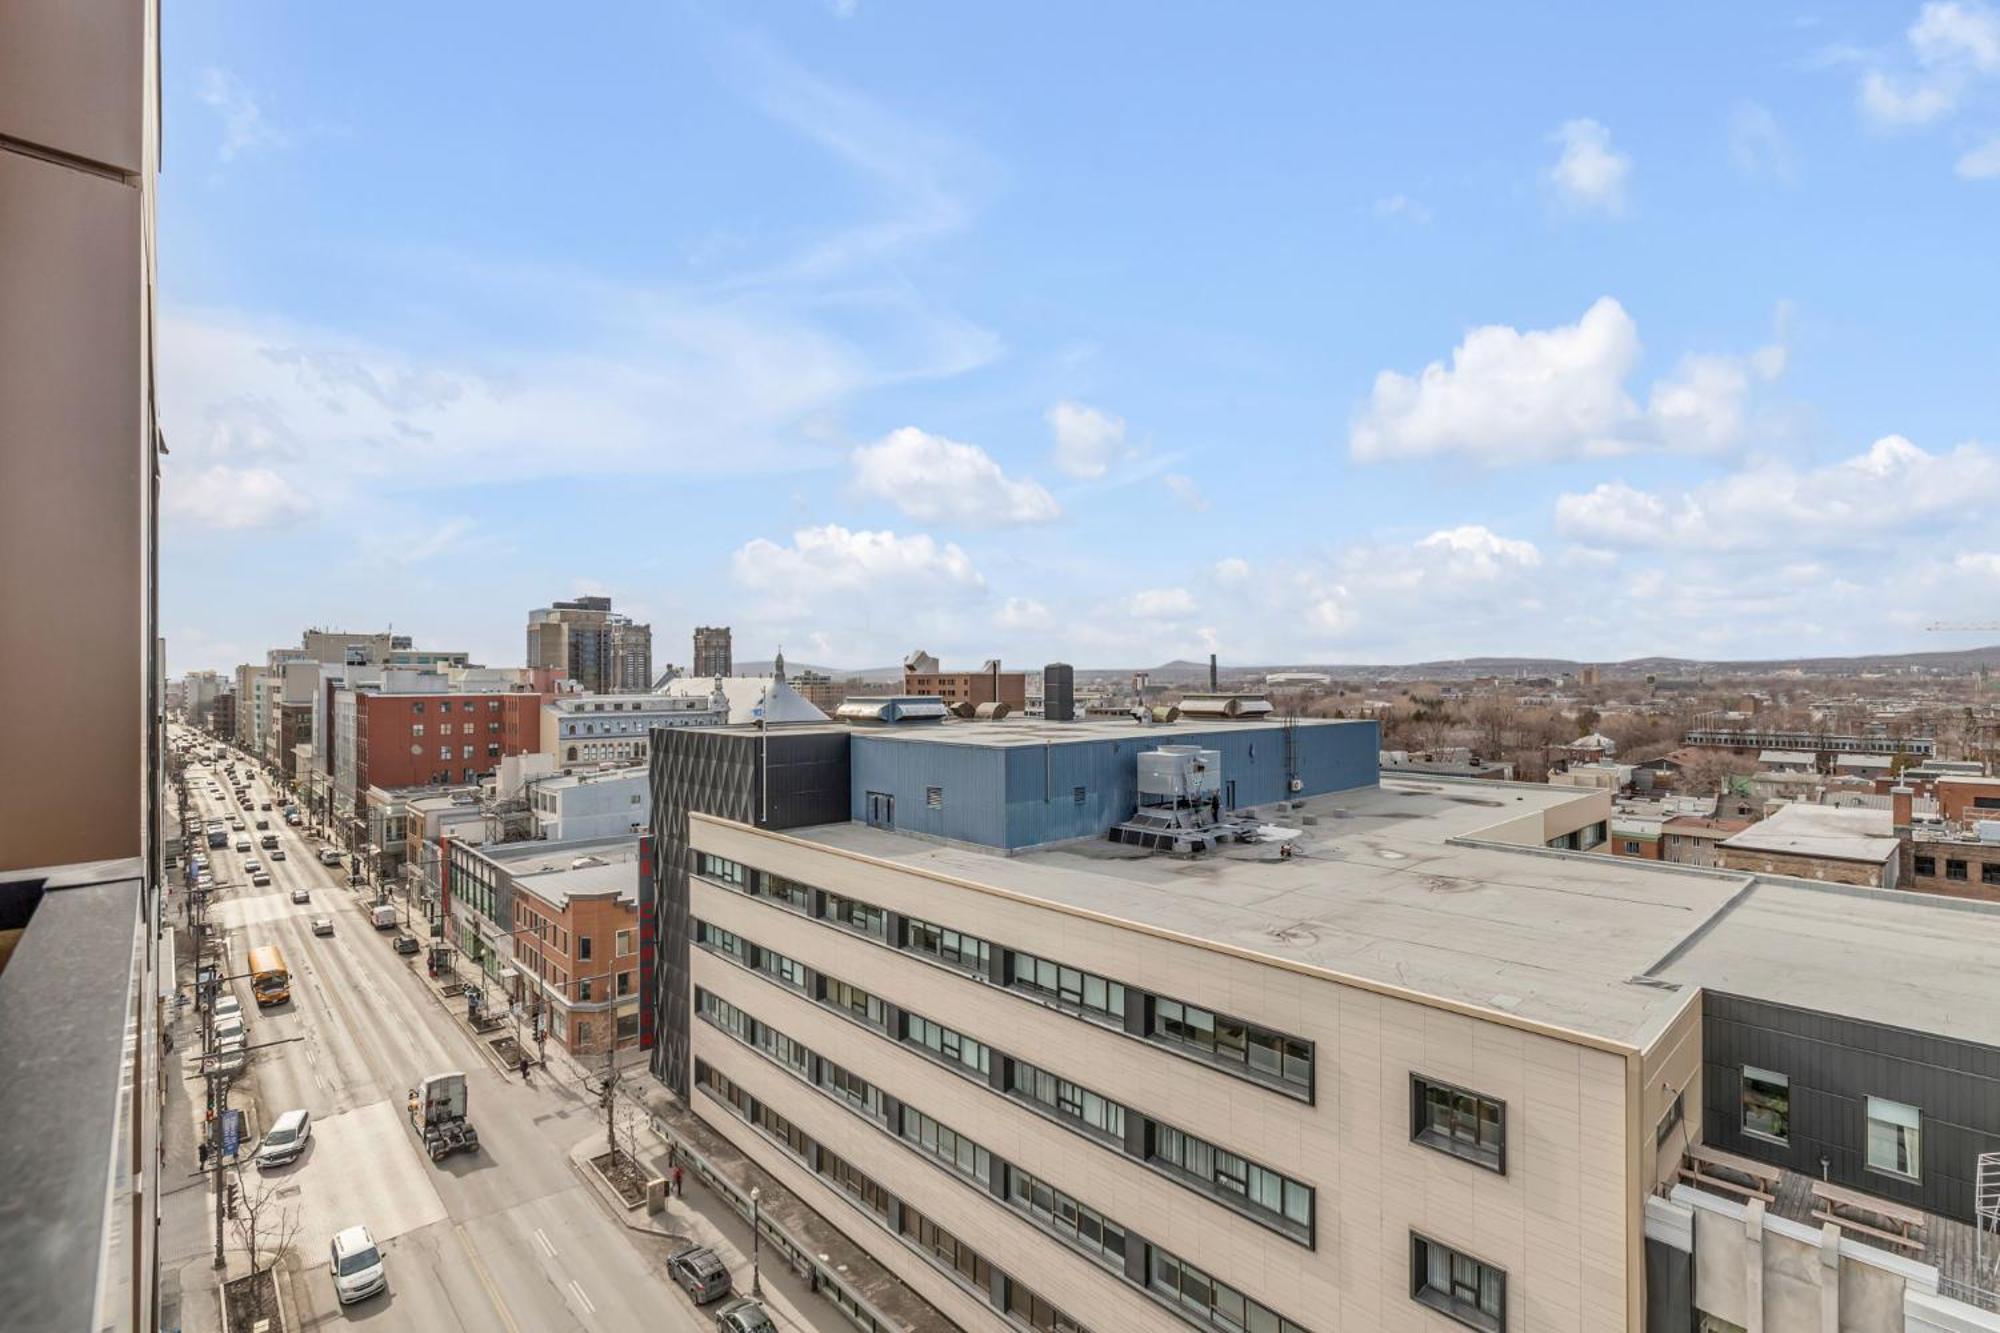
<point>1011,785</point>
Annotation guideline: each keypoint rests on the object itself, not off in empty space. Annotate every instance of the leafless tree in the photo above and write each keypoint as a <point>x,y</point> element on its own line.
<point>266,1227</point>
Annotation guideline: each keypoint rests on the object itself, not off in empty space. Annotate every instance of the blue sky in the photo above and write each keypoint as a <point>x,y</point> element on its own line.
<point>1110,332</point>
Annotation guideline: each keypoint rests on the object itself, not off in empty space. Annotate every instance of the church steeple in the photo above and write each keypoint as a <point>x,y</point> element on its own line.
<point>778,666</point>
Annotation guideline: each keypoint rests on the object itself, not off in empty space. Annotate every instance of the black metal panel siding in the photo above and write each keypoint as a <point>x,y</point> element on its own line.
<point>1835,1064</point>
<point>722,773</point>
<point>1669,1289</point>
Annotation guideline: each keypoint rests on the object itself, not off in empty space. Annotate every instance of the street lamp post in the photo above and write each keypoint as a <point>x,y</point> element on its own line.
<point>756,1242</point>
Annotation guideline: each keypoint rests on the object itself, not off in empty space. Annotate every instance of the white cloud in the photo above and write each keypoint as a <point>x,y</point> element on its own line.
<point>1981,163</point>
<point>1894,488</point>
<point>1758,145</point>
<point>1953,45</point>
<point>936,480</point>
<point>1510,396</point>
<point>231,499</point>
<point>1186,491</point>
<point>1232,569</point>
<point>1589,174</point>
<point>835,559</point>
<point>1162,603</point>
<point>1024,613</point>
<point>244,126</point>
<point>1893,104</point>
<point>1401,206</point>
<point>1701,408</point>
<point>1088,441</point>
<point>1477,552</point>
<point>1948,33</point>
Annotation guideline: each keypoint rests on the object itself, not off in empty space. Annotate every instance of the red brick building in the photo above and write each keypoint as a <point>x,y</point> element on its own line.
<point>1961,800</point>
<point>415,740</point>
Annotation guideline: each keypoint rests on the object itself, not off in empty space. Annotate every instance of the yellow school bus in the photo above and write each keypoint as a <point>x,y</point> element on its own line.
<point>270,979</point>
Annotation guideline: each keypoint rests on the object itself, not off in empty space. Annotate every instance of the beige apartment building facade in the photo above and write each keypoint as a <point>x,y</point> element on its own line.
<point>1424,1066</point>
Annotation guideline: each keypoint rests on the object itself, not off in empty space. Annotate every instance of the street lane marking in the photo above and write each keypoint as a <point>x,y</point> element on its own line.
<point>582,1299</point>
<point>486,1279</point>
<point>548,1247</point>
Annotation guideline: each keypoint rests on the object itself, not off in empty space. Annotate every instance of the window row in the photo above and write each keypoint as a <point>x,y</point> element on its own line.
<point>1259,1192</point>
<point>940,1246</point>
<point>1893,1142</point>
<point>1259,1186</point>
<point>1458,1285</point>
<point>1216,1303</point>
<point>1269,1056</point>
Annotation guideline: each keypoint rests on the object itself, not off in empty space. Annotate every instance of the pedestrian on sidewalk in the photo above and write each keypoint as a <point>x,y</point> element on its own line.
<point>678,1187</point>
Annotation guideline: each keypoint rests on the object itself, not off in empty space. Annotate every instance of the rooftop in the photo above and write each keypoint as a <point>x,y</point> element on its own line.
<point>1838,833</point>
<point>557,871</point>
<point>1405,886</point>
<point>1021,730</point>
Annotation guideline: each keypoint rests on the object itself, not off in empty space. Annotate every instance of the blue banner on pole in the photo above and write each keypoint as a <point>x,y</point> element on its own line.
<point>232,1131</point>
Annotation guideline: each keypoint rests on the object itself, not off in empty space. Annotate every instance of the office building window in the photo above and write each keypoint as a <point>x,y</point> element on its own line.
<point>953,1047</point>
<point>854,1001</point>
<point>1924,865</point>
<point>1989,873</point>
<point>857,916</point>
<point>1215,1303</point>
<point>1461,1123</point>
<point>1036,1313</point>
<point>1954,869</point>
<point>783,1049</point>
<point>1894,1138</point>
<point>857,1183</point>
<point>1767,1104</point>
<point>1087,994</point>
<point>416,728</point>
<point>949,1251</point>
<point>1075,1222</point>
<point>947,1145</point>
<point>1457,1285</point>
<point>623,942</point>
<point>785,892</point>
<point>1067,1100</point>
<point>1270,1055</point>
<point>947,946</point>
<point>1228,1175</point>
<point>718,868</point>
<point>850,1088</point>
<point>582,947</point>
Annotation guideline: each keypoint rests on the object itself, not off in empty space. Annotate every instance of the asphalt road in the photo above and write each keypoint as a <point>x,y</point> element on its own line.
<point>505,1238</point>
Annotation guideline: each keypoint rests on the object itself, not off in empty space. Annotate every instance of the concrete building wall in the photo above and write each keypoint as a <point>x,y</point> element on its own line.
<point>1560,1221</point>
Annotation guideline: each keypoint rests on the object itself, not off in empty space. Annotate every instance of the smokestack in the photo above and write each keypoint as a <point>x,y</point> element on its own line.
<point>1899,809</point>
<point>1211,674</point>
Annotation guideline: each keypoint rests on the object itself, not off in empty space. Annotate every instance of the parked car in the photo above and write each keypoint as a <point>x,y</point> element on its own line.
<point>744,1315</point>
<point>301,895</point>
<point>228,1006</point>
<point>357,1266</point>
<point>322,925</point>
<point>700,1272</point>
<point>286,1139</point>
<point>407,944</point>
<point>277,853</point>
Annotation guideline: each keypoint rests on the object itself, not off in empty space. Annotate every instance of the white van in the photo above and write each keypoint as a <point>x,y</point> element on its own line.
<point>286,1139</point>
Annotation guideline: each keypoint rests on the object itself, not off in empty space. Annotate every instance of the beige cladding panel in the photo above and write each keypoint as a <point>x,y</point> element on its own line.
<point>73,499</point>
<point>1557,1221</point>
<point>73,79</point>
<point>1058,1273</point>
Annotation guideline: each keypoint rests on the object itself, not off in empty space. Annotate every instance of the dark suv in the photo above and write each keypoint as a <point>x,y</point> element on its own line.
<point>700,1272</point>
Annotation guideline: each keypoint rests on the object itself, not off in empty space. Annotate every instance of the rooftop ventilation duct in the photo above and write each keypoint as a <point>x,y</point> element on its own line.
<point>992,710</point>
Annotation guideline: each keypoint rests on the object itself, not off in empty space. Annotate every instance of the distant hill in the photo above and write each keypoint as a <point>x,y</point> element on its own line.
<point>1184,674</point>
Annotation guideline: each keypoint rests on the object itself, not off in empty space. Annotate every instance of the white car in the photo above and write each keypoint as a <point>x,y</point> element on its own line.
<point>228,1006</point>
<point>301,895</point>
<point>357,1266</point>
<point>286,1139</point>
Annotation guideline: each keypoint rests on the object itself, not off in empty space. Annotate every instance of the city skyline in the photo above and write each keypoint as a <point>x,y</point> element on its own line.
<point>1317,343</point>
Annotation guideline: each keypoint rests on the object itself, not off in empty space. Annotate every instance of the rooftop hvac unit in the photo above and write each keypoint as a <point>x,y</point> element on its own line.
<point>1988,830</point>
<point>1179,773</point>
<point>993,710</point>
